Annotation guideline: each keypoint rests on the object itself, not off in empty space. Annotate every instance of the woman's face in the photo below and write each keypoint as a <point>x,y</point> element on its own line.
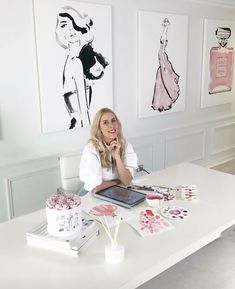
<point>70,34</point>
<point>109,127</point>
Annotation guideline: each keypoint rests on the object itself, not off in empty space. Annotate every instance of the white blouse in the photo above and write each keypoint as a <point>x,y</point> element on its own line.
<point>91,172</point>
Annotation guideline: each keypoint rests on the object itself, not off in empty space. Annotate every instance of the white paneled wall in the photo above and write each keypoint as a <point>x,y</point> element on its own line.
<point>224,138</point>
<point>28,192</point>
<point>190,147</point>
<point>26,186</point>
<point>29,167</point>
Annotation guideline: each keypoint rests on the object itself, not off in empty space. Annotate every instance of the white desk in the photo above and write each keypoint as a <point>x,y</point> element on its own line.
<point>26,267</point>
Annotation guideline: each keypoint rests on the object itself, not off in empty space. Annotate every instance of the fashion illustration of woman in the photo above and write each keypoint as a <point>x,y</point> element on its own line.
<point>166,88</point>
<point>75,34</point>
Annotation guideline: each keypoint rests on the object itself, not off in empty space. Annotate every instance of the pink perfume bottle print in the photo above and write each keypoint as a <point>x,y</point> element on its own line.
<point>221,63</point>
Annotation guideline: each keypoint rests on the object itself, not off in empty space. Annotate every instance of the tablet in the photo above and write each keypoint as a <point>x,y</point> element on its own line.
<point>121,196</point>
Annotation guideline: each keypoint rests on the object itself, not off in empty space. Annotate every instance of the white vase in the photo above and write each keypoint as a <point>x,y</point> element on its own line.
<point>114,254</point>
<point>64,223</point>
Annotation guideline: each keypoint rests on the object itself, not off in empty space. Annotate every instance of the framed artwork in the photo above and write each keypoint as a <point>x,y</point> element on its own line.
<point>162,63</point>
<point>218,62</point>
<point>74,58</point>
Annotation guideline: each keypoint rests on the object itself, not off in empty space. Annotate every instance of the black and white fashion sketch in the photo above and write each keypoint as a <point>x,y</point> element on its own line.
<point>74,62</point>
<point>74,32</point>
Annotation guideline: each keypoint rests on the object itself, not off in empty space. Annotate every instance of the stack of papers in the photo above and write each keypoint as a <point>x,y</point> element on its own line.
<point>39,237</point>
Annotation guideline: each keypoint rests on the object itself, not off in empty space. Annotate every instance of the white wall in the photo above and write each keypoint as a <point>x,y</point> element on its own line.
<point>28,158</point>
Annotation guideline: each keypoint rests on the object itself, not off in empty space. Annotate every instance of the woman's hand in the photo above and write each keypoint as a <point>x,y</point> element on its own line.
<point>115,148</point>
<point>124,174</point>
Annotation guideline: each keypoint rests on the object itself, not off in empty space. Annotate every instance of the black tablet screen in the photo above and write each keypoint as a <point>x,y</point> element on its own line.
<point>123,195</point>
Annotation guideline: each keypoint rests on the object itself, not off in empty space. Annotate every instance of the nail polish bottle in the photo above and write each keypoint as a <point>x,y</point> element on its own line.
<point>221,63</point>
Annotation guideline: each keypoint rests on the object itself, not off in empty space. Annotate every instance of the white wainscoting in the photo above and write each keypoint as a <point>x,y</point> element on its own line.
<point>28,192</point>
<point>185,148</point>
<point>224,138</point>
<point>25,187</point>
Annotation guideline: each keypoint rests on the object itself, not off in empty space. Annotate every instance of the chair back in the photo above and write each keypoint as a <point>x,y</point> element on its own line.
<point>69,170</point>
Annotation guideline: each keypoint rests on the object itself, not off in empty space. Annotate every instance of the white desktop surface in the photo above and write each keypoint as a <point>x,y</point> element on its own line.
<point>25,267</point>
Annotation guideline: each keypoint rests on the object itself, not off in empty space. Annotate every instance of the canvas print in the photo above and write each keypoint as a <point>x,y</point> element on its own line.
<point>218,62</point>
<point>74,62</point>
<point>162,53</point>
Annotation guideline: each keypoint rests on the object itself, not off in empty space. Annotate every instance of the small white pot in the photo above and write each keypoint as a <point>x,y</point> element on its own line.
<point>114,254</point>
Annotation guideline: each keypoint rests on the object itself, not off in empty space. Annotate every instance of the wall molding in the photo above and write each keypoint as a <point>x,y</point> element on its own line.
<point>155,151</point>
<point>10,180</point>
<point>220,129</point>
<point>219,3</point>
<point>186,138</point>
<point>189,125</point>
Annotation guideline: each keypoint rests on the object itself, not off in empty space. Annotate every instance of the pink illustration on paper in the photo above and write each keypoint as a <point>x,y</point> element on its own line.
<point>166,88</point>
<point>163,45</point>
<point>147,222</point>
<point>217,63</point>
<point>104,210</point>
<point>151,223</point>
<point>221,63</point>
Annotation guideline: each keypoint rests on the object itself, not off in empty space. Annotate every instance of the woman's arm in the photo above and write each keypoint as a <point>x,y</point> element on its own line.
<point>105,185</point>
<point>123,173</point>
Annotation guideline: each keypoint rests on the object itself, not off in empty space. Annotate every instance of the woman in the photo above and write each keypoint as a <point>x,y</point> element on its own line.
<point>166,88</point>
<point>108,159</point>
<point>73,31</point>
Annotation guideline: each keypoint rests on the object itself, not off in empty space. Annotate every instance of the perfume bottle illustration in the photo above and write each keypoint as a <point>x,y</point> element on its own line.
<point>221,63</point>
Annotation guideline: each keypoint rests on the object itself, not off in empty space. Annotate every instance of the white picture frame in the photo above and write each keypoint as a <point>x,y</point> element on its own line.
<point>149,35</point>
<point>210,41</point>
<point>52,57</point>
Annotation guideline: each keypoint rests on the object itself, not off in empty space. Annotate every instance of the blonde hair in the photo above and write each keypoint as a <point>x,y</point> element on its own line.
<point>97,140</point>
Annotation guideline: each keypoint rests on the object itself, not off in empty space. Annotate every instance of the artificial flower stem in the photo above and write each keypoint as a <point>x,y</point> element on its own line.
<point>117,229</point>
<point>107,226</point>
<point>107,231</point>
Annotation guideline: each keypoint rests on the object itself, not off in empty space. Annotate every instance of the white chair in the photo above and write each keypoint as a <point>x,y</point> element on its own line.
<point>69,171</point>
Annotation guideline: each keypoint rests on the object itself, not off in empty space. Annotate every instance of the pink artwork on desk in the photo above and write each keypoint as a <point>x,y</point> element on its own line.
<point>151,223</point>
<point>174,212</point>
<point>147,222</point>
<point>104,210</point>
<point>221,63</point>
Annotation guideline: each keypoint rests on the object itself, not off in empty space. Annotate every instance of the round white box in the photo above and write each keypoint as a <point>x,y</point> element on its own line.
<point>64,223</point>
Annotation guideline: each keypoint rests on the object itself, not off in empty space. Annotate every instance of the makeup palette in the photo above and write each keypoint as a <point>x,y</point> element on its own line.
<point>174,212</point>
<point>189,192</point>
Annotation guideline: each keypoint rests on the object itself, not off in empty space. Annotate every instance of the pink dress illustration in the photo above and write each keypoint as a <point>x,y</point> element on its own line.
<point>166,88</point>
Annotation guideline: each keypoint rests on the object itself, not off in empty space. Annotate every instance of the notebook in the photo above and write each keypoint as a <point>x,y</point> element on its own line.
<point>121,196</point>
